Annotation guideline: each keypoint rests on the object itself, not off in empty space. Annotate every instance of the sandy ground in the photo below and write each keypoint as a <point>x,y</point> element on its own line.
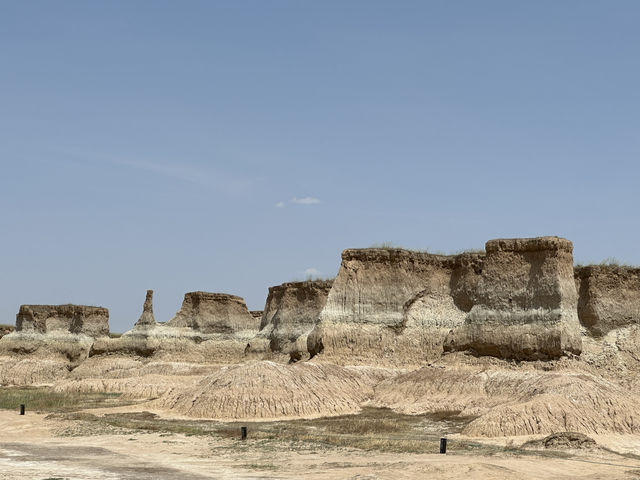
<point>31,448</point>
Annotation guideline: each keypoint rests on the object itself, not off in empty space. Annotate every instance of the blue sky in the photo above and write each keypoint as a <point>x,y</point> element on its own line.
<point>230,146</point>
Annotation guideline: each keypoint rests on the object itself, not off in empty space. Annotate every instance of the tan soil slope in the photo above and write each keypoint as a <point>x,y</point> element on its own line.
<point>514,401</point>
<point>291,311</point>
<point>526,302</point>
<point>25,371</point>
<point>264,390</point>
<point>134,388</point>
<point>609,297</point>
<point>394,306</point>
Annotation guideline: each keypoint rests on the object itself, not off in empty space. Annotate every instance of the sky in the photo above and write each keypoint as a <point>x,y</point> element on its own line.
<point>229,146</point>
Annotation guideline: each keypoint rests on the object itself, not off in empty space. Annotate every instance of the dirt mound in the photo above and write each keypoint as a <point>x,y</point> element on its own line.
<point>140,387</point>
<point>264,390</point>
<point>514,401</point>
<point>568,440</point>
<point>112,366</point>
<point>107,367</point>
<point>23,371</point>
<point>563,441</point>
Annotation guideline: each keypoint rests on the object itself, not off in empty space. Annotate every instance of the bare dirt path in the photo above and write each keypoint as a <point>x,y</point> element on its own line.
<point>31,448</point>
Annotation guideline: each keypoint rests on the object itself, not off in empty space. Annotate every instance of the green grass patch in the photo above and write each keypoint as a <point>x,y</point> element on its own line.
<point>393,246</point>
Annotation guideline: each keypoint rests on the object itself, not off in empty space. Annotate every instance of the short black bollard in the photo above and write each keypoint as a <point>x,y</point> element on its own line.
<point>243,433</point>
<point>443,445</point>
<point>22,409</point>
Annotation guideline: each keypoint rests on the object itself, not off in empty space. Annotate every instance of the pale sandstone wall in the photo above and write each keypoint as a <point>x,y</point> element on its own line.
<point>526,302</point>
<point>609,297</point>
<point>393,306</point>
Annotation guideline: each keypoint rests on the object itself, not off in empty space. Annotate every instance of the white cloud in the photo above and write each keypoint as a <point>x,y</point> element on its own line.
<point>280,205</point>
<point>305,200</point>
<point>311,272</point>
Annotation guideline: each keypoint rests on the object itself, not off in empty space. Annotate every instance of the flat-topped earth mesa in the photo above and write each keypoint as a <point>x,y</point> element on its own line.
<point>393,306</point>
<point>525,302</point>
<point>76,319</point>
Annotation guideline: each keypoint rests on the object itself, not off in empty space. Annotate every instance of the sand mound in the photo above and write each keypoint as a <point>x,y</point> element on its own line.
<point>264,390</point>
<point>22,371</point>
<point>142,387</point>
<point>107,367</point>
<point>112,366</point>
<point>514,402</point>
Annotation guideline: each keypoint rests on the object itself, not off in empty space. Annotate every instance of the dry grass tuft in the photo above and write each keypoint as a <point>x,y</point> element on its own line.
<point>46,400</point>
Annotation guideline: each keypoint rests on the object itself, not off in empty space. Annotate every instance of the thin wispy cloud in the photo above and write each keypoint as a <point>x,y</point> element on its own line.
<point>305,200</point>
<point>312,272</point>
<point>182,172</point>
<point>299,201</point>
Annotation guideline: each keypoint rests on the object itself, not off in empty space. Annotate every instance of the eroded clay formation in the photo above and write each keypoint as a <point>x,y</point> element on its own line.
<point>209,327</point>
<point>214,313</point>
<point>520,299</point>
<point>290,313</point>
<point>64,332</point>
<point>410,331</point>
<point>609,297</point>
<point>525,303</point>
<point>78,319</point>
<point>394,305</point>
<point>146,318</point>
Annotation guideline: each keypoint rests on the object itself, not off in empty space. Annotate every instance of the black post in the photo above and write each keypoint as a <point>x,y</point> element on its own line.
<point>443,445</point>
<point>22,409</point>
<point>243,433</point>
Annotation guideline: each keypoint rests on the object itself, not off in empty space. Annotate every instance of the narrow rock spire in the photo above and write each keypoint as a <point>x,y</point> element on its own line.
<point>147,312</point>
